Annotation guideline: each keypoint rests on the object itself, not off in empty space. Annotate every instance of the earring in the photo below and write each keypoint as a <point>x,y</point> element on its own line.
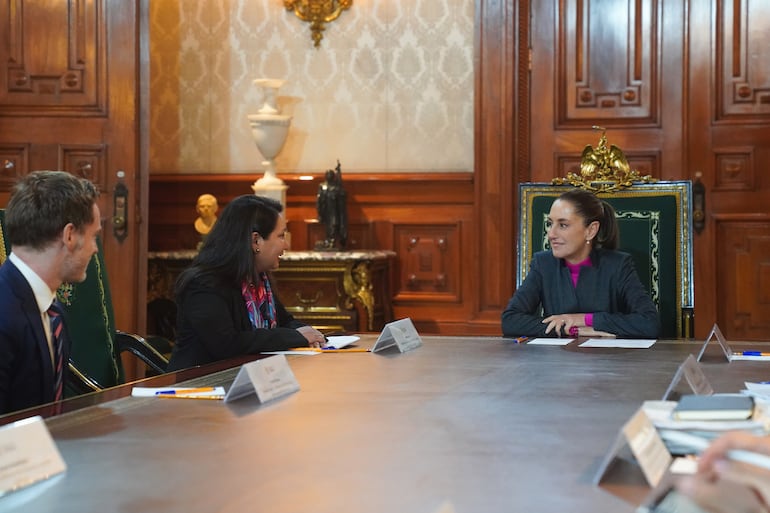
<point>256,250</point>
<point>588,241</point>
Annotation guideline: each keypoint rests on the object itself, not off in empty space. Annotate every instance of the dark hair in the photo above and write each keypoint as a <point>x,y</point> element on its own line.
<point>226,256</point>
<point>591,208</point>
<point>43,203</point>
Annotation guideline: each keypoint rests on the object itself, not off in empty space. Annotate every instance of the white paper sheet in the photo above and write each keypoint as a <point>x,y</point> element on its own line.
<point>338,342</point>
<point>154,391</point>
<point>755,358</point>
<point>550,341</point>
<point>618,342</point>
<point>332,342</point>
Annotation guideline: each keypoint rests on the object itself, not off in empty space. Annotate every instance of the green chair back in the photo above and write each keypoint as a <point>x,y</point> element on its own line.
<point>655,223</point>
<point>91,324</point>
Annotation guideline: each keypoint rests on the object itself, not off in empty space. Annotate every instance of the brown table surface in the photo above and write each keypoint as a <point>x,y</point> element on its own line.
<point>477,425</point>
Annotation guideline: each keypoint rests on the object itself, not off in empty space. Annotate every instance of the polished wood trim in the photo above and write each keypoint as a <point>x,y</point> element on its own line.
<point>110,394</point>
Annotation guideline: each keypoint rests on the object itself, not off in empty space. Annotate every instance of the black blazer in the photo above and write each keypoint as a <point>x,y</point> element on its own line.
<point>610,289</point>
<point>213,324</point>
<point>26,370</point>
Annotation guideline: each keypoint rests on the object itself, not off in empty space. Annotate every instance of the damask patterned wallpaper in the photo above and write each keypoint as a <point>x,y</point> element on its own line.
<point>389,89</point>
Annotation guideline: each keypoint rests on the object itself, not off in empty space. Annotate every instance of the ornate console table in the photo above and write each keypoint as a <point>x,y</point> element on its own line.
<point>331,290</point>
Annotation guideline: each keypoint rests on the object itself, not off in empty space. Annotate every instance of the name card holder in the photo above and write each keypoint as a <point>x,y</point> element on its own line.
<point>693,374</point>
<point>269,378</point>
<point>401,334</point>
<point>28,455</point>
<point>717,333</point>
<point>640,435</point>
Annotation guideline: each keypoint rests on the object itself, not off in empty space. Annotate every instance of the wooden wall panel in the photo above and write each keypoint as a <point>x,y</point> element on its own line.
<point>744,278</point>
<point>742,67</point>
<point>608,63</point>
<point>728,114</point>
<point>611,63</point>
<point>429,263</point>
<point>57,71</point>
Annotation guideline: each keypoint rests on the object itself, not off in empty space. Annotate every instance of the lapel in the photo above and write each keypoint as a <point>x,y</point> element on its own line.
<point>33,321</point>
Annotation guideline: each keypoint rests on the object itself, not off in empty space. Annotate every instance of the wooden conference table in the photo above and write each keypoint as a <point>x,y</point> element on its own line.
<point>462,425</point>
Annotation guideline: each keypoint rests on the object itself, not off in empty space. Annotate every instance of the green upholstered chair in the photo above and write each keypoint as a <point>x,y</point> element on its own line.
<point>95,361</point>
<point>655,223</point>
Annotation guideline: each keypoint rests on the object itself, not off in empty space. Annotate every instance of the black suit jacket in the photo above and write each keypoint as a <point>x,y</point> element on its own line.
<point>610,289</point>
<point>26,370</point>
<point>213,324</point>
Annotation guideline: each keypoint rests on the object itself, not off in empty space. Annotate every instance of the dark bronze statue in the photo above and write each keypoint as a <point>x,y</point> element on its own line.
<point>331,203</point>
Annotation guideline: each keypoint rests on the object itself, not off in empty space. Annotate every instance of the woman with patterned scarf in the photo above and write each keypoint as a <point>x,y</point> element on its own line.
<point>226,305</point>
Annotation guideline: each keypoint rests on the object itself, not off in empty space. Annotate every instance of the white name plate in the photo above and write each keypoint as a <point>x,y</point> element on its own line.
<point>28,455</point>
<point>269,378</point>
<point>401,333</point>
<point>693,374</point>
<point>717,333</point>
<point>646,445</point>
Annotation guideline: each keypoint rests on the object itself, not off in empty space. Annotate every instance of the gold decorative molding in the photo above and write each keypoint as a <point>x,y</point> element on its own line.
<point>358,286</point>
<point>317,13</point>
<point>603,169</point>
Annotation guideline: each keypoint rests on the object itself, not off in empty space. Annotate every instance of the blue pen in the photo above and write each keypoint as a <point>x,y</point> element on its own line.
<point>520,340</point>
<point>755,353</point>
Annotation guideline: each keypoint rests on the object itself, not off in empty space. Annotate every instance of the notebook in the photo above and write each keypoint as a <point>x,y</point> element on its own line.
<point>714,407</point>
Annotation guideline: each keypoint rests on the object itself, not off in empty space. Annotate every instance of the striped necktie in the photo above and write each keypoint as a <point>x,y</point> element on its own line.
<point>57,342</point>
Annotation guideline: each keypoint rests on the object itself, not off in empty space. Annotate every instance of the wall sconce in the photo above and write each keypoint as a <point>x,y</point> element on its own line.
<point>317,13</point>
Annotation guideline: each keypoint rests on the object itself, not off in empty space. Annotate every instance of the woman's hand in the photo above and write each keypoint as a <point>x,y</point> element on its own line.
<point>314,337</point>
<point>717,495</point>
<point>588,331</point>
<point>723,485</point>
<point>562,323</point>
<point>718,449</point>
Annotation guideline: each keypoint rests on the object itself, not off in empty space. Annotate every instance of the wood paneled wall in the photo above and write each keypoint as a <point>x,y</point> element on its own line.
<point>426,218</point>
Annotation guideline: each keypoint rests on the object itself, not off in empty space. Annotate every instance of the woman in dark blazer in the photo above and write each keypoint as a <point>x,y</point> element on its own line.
<point>583,286</point>
<point>226,304</point>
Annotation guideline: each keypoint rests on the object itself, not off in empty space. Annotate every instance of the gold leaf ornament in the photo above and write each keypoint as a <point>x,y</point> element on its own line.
<point>317,13</point>
<point>603,169</point>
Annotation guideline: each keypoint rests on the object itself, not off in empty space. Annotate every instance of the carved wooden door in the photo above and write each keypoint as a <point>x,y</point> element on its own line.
<point>69,100</point>
<point>729,144</point>
<point>683,87</point>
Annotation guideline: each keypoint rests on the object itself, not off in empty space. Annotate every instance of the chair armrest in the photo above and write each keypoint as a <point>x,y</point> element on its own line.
<point>79,382</point>
<point>139,347</point>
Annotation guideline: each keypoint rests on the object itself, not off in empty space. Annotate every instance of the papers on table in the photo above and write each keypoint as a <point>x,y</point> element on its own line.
<point>338,342</point>
<point>332,343</point>
<point>762,389</point>
<point>180,392</point>
<point>618,342</point>
<point>750,357</point>
<point>550,341</point>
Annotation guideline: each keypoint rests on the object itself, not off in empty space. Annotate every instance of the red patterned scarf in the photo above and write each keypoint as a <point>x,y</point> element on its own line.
<point>260,303</point>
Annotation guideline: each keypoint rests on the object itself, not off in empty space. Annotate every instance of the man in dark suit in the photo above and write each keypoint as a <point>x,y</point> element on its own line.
<point>52,222</point>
